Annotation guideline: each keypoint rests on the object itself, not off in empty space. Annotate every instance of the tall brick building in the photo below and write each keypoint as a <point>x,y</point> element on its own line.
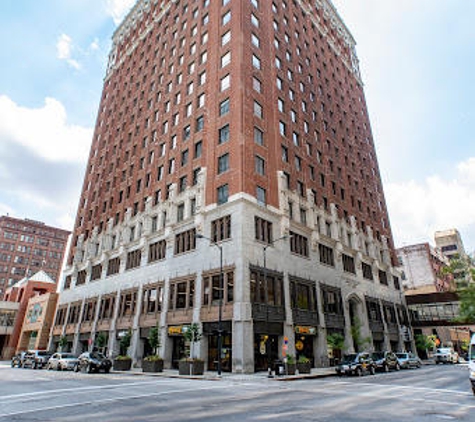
<point>28,246</point>
<point>243,121</point>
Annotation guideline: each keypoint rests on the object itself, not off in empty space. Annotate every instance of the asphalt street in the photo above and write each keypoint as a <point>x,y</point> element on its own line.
<point>431,393</point>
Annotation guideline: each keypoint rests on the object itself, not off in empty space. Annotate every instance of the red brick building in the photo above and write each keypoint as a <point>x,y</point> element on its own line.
<point>244,121</point>
<point>21,292</point>
<point>27,246</point>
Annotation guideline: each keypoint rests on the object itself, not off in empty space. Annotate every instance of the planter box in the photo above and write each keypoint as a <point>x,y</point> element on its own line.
<point>184,368</point>
<point>291,367</point>
<point>122,364</point>
<point>304,368</point>
<point>152,365</point>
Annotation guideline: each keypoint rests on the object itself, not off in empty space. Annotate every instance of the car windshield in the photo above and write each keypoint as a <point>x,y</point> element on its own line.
<point>68,356</point>
<point>97,355</point>
<point>378,355</point>
<point>443,351</point>
<point>349,358</point>
<point>402,355</point>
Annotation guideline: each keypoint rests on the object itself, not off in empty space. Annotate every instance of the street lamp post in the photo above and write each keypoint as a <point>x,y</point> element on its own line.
<point>220,302</point>
<point>264,249</point>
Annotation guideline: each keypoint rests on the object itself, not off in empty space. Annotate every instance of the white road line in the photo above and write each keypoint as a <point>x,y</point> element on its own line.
<point>67,390</point>
<point>115,399</point>
<point>411,388</point>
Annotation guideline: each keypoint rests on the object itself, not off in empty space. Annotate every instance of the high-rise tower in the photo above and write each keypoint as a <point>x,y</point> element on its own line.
<point>243,121</point>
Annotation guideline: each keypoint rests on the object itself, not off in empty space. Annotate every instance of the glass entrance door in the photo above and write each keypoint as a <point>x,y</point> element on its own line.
<point>178,351</point>
<point>266,351</point>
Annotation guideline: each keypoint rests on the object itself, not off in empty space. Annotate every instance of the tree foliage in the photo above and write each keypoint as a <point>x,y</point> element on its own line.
<point>154,339</point>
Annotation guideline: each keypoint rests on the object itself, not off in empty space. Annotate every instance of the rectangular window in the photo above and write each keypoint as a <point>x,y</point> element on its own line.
<point>298,244</point>
<point>223,163</point>
<point>221,229</point>
<point>226,59</point>
<point>185,242</point>
<point>225,83</point>
<point>133,259</point>
<point>256,62</point>
<point>224,107</point>
<point>263,230</point>
<point>226,18</point>
<point>367,271</point>
<point>260,165</point>
<point>113,266</point>
<point>257,110</point>
<point>224,134</point>
<point>157,251</point>
<point>258,136</point>
<point>348,264</point>
<point>326,255</point>
<point>261,195</point>
<point>222,194</point>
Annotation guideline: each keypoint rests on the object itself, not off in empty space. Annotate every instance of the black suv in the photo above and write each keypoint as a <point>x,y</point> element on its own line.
<point>385,361</point>
<point>93,362</point>
<point>36,359</point>
<point>356,364</point>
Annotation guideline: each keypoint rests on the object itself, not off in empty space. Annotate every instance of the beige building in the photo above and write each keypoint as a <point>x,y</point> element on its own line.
<point>218,120</point>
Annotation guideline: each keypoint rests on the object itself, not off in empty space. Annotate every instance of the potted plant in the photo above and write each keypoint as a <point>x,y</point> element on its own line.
<point>303,365</point>
<point>290,365</point>
<point>192,365</point>
<point>153,363</point>
<point>123,362</point>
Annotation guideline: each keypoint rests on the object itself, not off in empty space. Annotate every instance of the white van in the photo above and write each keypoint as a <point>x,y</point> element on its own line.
<point>471,362</point>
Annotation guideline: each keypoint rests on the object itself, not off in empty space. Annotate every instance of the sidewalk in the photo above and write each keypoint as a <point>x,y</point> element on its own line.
<point>213,376</point>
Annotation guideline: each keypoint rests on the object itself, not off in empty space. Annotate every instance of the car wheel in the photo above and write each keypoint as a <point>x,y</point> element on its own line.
<point>437,362</point>
<point>418,365</point>
<point>473,390</point>
<point>33,365</point>
<point>107,370</point>
<point>359,372</point>
<point>76,368</point>
<point>59,367</point>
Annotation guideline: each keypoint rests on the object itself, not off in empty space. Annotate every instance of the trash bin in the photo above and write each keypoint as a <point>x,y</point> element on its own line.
<point>279,368</point>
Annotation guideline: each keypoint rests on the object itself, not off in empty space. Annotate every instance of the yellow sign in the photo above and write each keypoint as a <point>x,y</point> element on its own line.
<point>175,330</point>
<point>299,329</point>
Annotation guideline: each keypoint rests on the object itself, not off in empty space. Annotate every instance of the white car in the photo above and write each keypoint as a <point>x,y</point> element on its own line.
<point>62,362</point>
<point>446,355</point>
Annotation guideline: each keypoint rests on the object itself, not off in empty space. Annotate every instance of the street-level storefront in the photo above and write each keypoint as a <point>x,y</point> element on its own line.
<point>179,349</point>
<point>305,342</point>
<point>210,329</point>
<point>144,346</point>
<point>266,344</point>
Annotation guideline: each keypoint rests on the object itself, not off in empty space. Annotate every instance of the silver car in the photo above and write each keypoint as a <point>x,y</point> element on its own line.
<point>408,360</point>
<point>62,361</point>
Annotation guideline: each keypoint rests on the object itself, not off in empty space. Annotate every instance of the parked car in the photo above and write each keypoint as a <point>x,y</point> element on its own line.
<point>62,361</point>
<point>446,355</point>
<point>356,364</point>
<point>36,359</point>
<point>17,360</point>
<point>93,362</point>
<point>385,361</point>
<point>408,360</point>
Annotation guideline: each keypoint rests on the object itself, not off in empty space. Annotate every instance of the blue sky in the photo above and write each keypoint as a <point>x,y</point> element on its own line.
<point>417,60</point>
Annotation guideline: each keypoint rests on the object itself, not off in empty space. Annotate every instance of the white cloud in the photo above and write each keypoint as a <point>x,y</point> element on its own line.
<point>118,9</point>
<point>418,209</point>
<point>64,49</point>
<point>45,131</point>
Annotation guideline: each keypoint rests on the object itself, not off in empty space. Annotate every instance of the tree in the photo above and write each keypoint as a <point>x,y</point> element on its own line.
<point>124,343</point>
<point>335,342</point>
<point>463,271</point>
<point>358,339</point>
<point>101,341</point>
<point>425,343</point>
<point>62,343</point>
<point>154,339</point>
<point>193,335</point>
